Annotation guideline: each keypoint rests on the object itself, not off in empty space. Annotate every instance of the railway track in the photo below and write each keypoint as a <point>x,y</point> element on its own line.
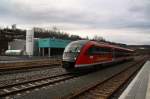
<point>29,64</point>
<point>101,90</point>
<point>107,88</point>
<point>33,84</point>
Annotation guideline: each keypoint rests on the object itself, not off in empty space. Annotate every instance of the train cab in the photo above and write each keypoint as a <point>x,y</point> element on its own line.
<point>71,53</point>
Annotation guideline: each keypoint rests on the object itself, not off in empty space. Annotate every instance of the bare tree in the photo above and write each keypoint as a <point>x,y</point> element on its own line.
<point>98,38</point>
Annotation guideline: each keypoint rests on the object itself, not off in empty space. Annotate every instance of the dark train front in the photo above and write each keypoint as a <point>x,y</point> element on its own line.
<point>71,53</point>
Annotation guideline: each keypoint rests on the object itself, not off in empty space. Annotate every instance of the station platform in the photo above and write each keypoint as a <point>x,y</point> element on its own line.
<point>139,88</point>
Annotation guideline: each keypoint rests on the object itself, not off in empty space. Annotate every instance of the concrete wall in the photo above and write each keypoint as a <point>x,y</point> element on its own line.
<point>17,44</point>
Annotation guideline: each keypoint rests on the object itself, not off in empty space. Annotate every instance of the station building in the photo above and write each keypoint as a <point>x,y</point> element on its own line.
<point>41,47</point>
<point>37,46</point>
<point>51,47</point>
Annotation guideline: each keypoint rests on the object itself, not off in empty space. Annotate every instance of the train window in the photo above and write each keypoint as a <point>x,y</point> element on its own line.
<point>91,50</point>
<point>121,53</point>
<point>99,50</point>
<point>74,47</point>
<point>96,50</point>
<point>105,50</point>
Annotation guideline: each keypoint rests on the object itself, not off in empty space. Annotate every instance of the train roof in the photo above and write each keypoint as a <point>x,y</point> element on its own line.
<point>112,46</point>
<point>109,45</point>
<point>103,44</point>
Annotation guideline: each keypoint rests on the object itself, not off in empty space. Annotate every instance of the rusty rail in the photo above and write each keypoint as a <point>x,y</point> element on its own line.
<point>30,64</point>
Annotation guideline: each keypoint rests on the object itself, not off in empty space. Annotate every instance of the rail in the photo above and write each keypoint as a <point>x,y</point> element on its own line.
<point>29,64</point>
<point>106,89</point>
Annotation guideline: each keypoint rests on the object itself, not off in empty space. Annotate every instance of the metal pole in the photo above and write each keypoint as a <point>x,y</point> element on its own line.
<point>49,52</point>
<point>39,52</point>
<point>43,51</point>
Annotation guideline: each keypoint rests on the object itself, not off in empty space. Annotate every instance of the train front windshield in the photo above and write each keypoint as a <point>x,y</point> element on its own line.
<point>72,50</point>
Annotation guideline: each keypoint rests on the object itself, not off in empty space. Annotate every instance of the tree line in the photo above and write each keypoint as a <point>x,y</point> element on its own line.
<point>8,34</point>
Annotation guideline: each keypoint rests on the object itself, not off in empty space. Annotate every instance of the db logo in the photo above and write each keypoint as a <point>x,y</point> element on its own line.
<point>91,57</point>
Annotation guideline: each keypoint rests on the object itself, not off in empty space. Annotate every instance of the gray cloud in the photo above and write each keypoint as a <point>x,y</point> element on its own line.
<point>94,19</point>
<point>79,14</point>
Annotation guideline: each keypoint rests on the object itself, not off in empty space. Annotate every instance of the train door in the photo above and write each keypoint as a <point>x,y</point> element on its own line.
<point>113,54</point>
<point>91,55</point>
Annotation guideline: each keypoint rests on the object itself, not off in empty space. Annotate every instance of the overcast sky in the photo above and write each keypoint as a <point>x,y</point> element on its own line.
<point>124,21</point>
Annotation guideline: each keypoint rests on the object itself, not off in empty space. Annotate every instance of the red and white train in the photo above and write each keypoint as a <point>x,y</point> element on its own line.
<point>86,53</point>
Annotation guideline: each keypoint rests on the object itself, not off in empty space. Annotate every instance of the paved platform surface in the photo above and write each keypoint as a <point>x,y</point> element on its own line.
<point>139,88</point>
